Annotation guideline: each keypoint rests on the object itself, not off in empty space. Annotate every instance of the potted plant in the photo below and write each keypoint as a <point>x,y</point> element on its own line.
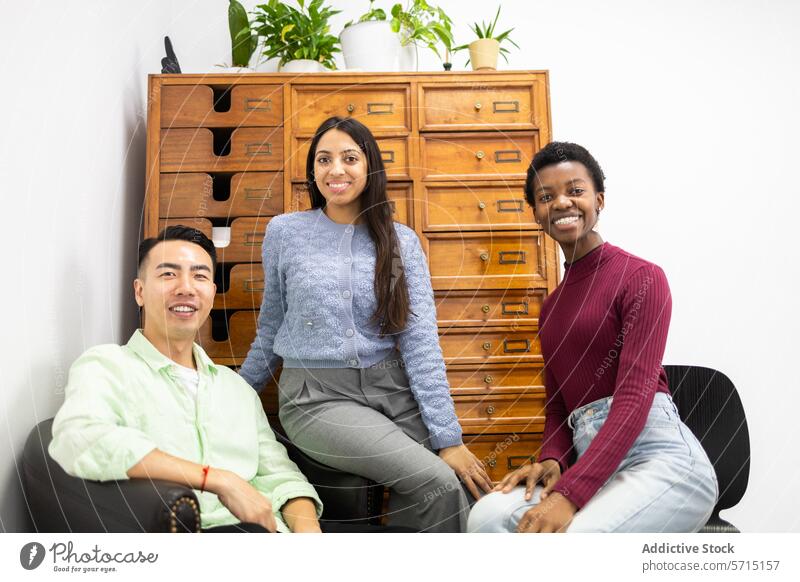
<point>484,51</point>
<point>243,41</point>
<point>370,44</point>
<point>421,24</point>
<point>301,38</point>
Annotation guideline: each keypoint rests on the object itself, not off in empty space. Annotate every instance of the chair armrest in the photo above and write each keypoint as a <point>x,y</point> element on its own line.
<point>346,497</point>
<point>62,503</point>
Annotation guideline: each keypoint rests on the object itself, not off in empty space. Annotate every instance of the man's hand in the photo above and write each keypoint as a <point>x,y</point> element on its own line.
<point>553,514</point>
<point>548,472</point>
<point>241,498</point>
<point>468,468</point>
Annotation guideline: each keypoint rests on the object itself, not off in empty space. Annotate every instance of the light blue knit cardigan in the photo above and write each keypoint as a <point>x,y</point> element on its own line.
<point>318,304</point>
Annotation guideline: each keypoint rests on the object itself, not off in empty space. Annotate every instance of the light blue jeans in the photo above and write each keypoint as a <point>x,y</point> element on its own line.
<point>664,484</point>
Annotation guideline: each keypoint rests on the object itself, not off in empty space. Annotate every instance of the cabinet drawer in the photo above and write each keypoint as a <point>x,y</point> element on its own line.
<point>400,199</point>
<point>241,333</point>
<point>487,261</point>
<point>206,106</point>
<point>496,379</point>
<point>465,346</point>
<point>382,108</point>
<point>245,288</point>
<point>502,453</point>
<point>246,236</point>
<point>500,206</point>
<point>200,150</point>
<point>244,194</point>
<point>477,156</point>
<point>394,152</point>
<point>469,308</point>
<point>498,106</point>
<point>506,409</point>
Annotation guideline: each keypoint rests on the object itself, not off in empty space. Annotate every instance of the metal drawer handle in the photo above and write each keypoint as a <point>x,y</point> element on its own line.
<point>505,107</point>
<point>481,205</point>
<point>515,307</point>
<point>253,240</point>
<point>258,104</point>
<point>258,149</point>
<point>488,379</point>
<point>387,156</point>
<point>514,205</point>
<point>350,107</point>
<point>512,257</point>
<point>253,285</point>
<point>258,193</point>
<point>487,346</point>
<point>525,343</point>
<point>516,461</point>
<point>507,156</point>
<point>478,106</point>
<point>490,410</point>
<point>480,155</point>
<point>486,308</point>
<point>484,257</point>
<point>380,108</point>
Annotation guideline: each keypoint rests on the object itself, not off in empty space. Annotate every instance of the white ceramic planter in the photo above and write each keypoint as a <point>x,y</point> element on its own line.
<point>371,46</point>
<point>483,54</point>
<point>409,57</point>
<point>303,66</point>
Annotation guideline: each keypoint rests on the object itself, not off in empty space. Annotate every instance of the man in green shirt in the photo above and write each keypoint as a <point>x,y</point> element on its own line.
<point>159,408</point>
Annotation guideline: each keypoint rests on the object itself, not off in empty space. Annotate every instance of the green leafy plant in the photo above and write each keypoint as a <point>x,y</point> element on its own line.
<point>373,14</point>
<point>423,25</point>
<point>291,34</point>
<point>487,30</point>
<point>243,41</point>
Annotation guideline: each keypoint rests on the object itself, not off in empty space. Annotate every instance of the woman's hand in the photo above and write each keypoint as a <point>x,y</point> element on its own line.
<point>548,472</point>
<point>468,468</point>
<point>241,498</point>
<point>553,514</point>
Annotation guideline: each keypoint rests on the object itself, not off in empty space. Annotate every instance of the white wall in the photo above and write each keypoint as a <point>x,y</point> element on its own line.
<point>689,107</point>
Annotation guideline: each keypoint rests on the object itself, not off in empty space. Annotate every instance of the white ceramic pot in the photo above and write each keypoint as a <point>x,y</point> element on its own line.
<point>371,46</point>
<point>409,57</point>
<point>483,54</point>
<point>303,66</point>
<point>239,70</point>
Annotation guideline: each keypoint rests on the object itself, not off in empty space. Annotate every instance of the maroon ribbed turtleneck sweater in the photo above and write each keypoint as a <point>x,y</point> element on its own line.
<point>603,332</point>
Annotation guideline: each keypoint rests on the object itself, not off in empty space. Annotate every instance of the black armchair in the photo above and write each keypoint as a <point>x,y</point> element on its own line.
<point>709,405</point>
<point>59,502</point>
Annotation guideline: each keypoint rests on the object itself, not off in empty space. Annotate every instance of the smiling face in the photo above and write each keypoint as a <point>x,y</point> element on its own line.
<point>176,288</point>
<point>567,206</point>
<point>340,171</point>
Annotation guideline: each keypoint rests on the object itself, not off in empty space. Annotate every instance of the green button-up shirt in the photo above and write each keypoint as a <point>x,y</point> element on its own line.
<point>124,401</point>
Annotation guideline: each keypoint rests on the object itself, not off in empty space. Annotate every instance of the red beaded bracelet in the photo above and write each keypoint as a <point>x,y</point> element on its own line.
<point>206,469</point>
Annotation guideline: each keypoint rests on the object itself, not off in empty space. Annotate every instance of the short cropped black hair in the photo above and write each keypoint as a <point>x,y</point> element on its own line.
<point>178,232</point>
<point>563,151</point>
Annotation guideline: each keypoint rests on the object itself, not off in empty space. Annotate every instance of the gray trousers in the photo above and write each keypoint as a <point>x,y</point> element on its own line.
<point>366,422</point>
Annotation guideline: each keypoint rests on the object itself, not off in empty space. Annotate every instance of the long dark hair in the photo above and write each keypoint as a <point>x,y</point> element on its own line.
<point>390,281</point>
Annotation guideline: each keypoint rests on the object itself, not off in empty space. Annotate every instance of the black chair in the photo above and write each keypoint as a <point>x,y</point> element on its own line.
<point>61,503</point>
<point>345,497</point>
<point>709,405</point>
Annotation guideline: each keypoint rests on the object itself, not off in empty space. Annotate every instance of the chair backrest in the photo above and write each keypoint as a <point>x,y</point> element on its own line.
<point>709,405</point>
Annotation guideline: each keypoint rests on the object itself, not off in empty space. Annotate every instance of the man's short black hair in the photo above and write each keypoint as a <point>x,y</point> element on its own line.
<point>563,151</point>
<point>178,232</point>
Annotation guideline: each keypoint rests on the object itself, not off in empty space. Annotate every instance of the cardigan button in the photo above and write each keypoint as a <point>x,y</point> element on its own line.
<point>346,294</point>
<point>349,333</point>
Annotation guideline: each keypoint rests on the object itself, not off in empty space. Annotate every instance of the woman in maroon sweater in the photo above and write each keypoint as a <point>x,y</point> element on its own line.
<point>615,454</point>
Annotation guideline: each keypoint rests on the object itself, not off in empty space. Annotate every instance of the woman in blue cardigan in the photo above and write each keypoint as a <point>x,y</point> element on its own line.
<point>348,307</point>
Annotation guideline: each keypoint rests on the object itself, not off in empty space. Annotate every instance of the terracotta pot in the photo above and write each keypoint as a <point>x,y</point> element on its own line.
<point>483,54</point>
